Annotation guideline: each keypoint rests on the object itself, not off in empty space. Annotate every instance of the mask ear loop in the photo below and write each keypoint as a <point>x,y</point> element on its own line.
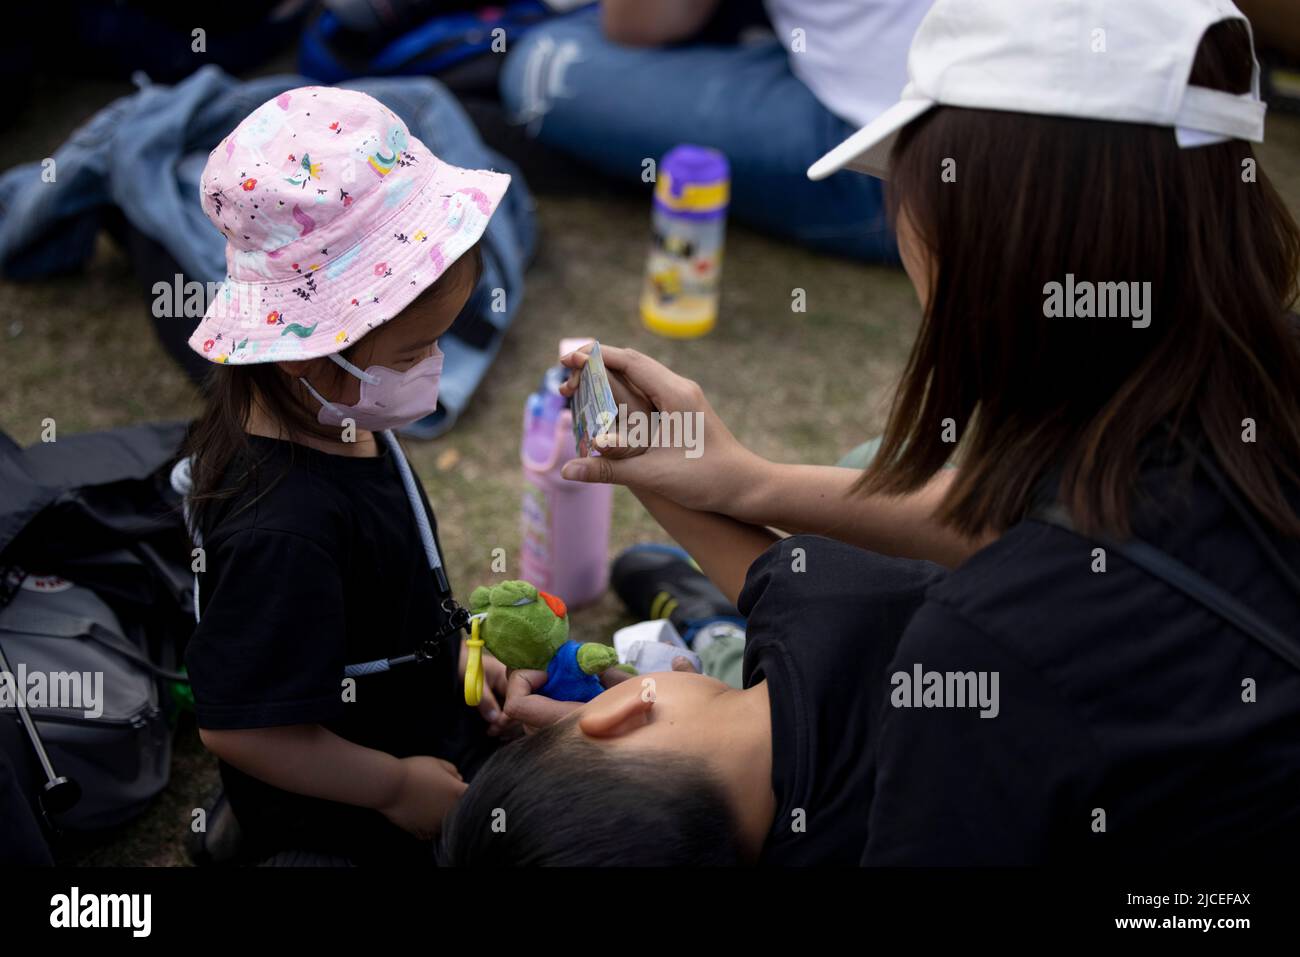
<point>325,403</point>
<point>474,663</point>
<point>344,363</point>
<point>360,374</point>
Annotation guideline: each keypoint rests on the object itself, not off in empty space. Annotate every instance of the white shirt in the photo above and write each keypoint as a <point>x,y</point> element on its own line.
<point>852,54</point>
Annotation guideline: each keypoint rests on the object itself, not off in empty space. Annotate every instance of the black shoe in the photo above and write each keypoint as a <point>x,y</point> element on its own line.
<point>661,581</point>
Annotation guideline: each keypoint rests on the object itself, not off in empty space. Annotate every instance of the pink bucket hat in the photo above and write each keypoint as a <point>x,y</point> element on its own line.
<point>335,218</point>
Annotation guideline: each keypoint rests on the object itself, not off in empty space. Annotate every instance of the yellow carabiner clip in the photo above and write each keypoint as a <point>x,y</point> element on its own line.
<point>474,665</point>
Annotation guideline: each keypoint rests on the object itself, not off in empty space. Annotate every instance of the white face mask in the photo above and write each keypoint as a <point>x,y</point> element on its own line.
<point>388,399</point>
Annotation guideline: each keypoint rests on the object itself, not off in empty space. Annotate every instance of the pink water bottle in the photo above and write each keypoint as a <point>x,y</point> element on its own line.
<point>565,547</point>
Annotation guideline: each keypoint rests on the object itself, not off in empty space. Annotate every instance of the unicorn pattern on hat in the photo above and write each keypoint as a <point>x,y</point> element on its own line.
<point>376,241</point>
<point>257,132</point>
<point>382,153</point>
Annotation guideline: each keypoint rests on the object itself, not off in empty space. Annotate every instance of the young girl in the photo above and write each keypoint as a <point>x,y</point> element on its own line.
<point>351,248</point>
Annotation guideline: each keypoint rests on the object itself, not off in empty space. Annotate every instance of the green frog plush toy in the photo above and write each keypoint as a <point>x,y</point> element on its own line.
<point>527,628</point>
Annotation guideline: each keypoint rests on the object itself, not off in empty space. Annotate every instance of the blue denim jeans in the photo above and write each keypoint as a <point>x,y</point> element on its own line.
<point>613,107</point>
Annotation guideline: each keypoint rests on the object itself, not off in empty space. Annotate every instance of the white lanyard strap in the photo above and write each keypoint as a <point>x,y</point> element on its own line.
<point>421,516</point>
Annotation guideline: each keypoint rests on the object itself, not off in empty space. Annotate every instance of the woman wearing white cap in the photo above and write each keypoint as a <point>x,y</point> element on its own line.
<point>1106,354</point>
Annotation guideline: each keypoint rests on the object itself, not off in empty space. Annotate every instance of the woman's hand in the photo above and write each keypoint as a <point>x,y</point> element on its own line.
<point>728,481</point>
<point>535,711</point>
<point>494,689</point>
<point>429,789</point>
<point>711,477</point>
<point>625,394</point>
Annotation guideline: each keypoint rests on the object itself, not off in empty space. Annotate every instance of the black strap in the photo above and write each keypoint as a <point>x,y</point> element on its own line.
<point>1162,565</point>
<point>1206,461</point>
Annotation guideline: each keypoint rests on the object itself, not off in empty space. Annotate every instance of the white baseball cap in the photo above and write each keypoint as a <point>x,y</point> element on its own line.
<point>1119,60</point>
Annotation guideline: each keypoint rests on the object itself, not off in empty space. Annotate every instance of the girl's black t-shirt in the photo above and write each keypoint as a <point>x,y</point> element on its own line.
<point>314,564</point>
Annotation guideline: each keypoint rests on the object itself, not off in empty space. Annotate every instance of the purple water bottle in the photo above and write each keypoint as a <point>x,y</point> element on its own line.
<point>683,272</point>
<point>565,525</point>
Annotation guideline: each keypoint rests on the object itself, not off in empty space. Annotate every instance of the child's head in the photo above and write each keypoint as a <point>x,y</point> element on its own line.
<point>622,781</point>
<point>350,248</point>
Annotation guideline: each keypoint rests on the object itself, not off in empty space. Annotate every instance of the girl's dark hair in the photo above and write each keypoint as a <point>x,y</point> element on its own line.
<point>217,441</point>
<point>1036,198</point>
<point>555,799</point>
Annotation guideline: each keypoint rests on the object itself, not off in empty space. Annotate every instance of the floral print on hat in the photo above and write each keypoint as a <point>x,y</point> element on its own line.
<point>335,219</point>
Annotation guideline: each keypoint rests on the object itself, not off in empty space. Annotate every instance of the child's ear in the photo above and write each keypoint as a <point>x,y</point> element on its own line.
<point>612,716</point>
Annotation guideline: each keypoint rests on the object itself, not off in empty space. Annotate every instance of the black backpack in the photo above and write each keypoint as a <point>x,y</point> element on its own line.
<point>94,580</point>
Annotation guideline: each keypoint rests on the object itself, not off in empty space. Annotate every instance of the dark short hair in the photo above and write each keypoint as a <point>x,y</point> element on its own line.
<point>556,799</point>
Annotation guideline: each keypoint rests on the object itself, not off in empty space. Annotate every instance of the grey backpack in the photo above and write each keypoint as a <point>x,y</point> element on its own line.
<point>93,699</point>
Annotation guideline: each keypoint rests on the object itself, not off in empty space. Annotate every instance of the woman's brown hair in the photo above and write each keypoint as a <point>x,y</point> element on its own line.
<point>1031,397</point>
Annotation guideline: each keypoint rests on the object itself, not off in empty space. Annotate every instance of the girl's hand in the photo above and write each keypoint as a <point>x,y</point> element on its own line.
<point>429,789</point>
<point>494,691</point>
<point>714,480</point>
